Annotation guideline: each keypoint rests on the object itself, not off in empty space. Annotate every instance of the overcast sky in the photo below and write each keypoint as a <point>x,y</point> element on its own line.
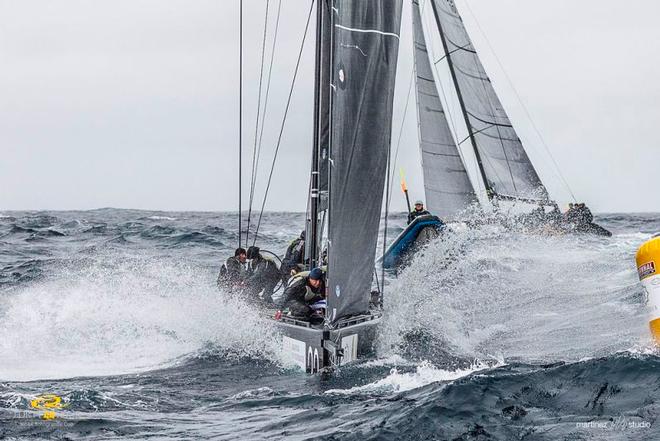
<point>134,103</point>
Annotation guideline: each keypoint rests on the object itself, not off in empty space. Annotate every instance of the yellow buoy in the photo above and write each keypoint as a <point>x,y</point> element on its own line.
<point>648,267</point>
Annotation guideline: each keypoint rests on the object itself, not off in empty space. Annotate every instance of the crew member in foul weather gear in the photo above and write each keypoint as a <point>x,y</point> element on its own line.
<point>263,275</point>
<point>572,213</point>
<point>294,257</point>
<point>579,215</point>
<point>585,216</point>
<point>418,211</point>
<point>233,272</point>
<point>303,291</point>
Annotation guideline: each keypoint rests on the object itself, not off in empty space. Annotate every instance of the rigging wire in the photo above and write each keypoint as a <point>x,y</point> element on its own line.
<point>390,177</point>
<point>286,111</point>
<point>256,125</point>
<point>265,112</point>
<point>388,190</point>
<point>522,104</point>
<point>270,76</point>
<point>240,126</point>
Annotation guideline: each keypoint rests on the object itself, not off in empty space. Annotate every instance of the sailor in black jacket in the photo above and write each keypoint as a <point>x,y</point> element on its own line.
<point>304,290</point>
<point>295,255</point>
<point>418,211</point>
<point>232,273</point>
<point>263,275</point>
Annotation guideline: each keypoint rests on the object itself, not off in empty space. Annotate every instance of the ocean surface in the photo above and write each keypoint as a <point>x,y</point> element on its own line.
<point>488,335</point>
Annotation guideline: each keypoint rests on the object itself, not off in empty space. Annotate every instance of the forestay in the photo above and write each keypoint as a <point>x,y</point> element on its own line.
<point>365,49</point>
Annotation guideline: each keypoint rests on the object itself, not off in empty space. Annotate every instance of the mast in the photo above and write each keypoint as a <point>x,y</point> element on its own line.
<point>450,63</point>
<point>314,188</point>
<point>240,128</point>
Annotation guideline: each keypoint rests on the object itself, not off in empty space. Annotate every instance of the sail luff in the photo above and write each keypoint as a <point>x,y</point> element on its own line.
<point>447,185</point>
<point>364,58</point>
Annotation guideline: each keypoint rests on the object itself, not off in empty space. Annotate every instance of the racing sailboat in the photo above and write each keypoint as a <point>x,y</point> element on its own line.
<point>505,171</point>
<point>356,59</point>
<point>504,167</point>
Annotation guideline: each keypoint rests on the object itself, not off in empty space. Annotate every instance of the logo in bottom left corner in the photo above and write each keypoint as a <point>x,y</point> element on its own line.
<point>49,403</point>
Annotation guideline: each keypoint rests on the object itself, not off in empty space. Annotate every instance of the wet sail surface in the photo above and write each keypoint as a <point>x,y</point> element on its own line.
<point>365,49</point>
<point>446,182</point>
<point>505,164</point>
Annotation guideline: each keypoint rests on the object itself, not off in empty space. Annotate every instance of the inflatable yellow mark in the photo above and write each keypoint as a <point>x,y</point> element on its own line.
<point>648,261</point>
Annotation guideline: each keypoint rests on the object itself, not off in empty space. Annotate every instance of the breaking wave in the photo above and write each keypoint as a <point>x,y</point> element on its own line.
<point>489,294</point>
<point>116,314</point>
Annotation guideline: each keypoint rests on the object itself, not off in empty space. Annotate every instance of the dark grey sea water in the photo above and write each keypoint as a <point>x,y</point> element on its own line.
<point>489,335</point>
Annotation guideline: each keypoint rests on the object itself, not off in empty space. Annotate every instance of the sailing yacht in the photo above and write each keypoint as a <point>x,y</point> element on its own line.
<point>356,58</point>
<point>357,47</point>
<point>505,171</point>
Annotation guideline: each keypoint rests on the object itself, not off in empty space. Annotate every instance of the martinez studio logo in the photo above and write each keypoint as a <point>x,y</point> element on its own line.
<point>621,423</point>
<point>49,403</point>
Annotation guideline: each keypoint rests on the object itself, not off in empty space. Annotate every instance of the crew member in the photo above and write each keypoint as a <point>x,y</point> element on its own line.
<point>555,216</point>
<point>303,291</point>
<point>294,257</point>
<point>263,275</point>
<point>572,213</point>
<point>418,211</point>
<point>232,272</point>
<point>585,217</point>
<point>537,216</point>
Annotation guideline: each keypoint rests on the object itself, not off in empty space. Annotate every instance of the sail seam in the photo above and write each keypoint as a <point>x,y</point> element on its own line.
<point>446,192</point>
<point>462,48</point>
<point>440,154</point>
<point>488,122</point>
<point>432,95</point>
<point>368,31</point>
<point>474,76</point>
<point>437,143</point>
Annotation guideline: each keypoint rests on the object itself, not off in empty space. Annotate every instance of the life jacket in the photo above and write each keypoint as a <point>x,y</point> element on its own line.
<point>301,277</point>
<point>265,267</point>
<point>304,275</point>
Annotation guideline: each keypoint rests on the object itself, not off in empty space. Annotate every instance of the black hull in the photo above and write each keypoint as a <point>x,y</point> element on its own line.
<point>594,229</point>
<point>317,348</point>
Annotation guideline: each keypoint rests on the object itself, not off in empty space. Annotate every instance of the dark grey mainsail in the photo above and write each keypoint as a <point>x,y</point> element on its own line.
<point>504,165</point>
<point>446,182</point>
<point>364,59</point>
